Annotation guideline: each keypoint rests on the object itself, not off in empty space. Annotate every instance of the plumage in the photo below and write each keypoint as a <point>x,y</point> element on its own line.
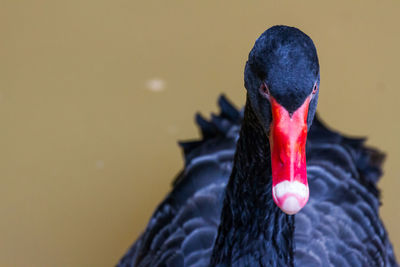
<point>220,211</point>
<point>340,226</point>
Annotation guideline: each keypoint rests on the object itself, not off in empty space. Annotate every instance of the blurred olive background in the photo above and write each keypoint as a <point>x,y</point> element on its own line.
<point>95,94</point>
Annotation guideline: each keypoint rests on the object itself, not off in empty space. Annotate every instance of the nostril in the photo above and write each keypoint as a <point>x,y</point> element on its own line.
<point>282,157</point>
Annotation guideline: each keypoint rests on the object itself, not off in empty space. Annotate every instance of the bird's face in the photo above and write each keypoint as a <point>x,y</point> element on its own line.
<point>282,80</point>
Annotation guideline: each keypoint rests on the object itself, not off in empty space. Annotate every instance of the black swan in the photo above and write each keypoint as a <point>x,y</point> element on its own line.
<point>233,207</point>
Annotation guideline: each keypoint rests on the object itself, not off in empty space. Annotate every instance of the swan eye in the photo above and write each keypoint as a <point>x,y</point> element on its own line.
<point>315,89</point>
<point>264,90</point>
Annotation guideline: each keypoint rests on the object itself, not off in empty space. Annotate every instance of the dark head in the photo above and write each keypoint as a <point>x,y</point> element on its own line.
<point>282,81</point>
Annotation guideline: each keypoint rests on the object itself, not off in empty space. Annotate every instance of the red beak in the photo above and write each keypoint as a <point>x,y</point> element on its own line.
<point>288,136</point>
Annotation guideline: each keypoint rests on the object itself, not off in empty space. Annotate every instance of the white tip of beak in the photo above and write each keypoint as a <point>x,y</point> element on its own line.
<point>291,205</point>
<point>290,197</point>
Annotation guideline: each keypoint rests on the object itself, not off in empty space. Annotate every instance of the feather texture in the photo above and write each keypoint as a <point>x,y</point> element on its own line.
<point>340,225</point>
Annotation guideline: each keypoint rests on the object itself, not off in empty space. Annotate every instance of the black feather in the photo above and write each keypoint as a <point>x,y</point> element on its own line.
<point>208,129</point>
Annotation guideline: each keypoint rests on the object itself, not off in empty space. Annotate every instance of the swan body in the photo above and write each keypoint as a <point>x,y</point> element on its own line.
<point>232,204</point>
